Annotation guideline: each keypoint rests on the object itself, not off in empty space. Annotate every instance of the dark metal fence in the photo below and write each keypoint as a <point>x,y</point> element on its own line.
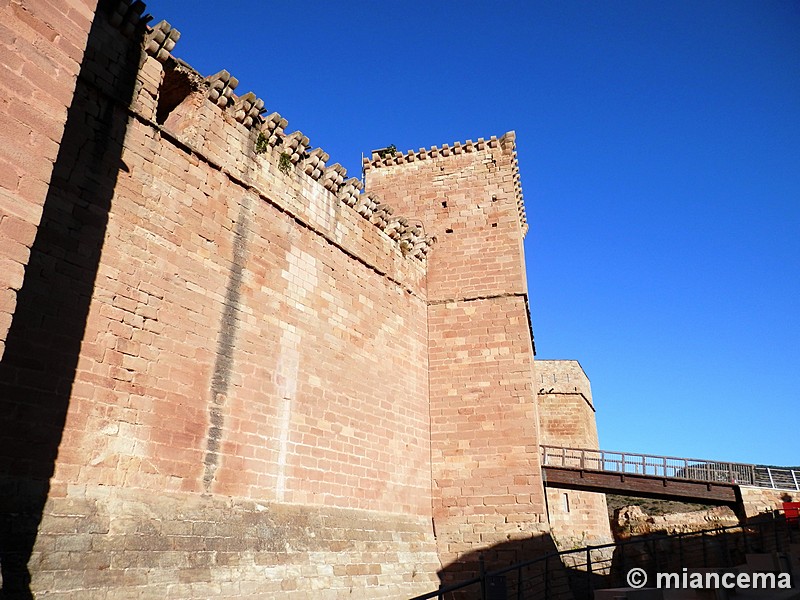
<point>575,574</point>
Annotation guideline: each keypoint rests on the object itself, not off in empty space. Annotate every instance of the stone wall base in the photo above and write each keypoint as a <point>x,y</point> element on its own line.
<point>102,543</point>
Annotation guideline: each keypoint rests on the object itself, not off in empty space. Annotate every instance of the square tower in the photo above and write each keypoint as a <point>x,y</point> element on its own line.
<point>487,485</point>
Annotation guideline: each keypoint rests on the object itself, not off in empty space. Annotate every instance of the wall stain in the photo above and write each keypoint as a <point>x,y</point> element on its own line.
<point>223,357</point>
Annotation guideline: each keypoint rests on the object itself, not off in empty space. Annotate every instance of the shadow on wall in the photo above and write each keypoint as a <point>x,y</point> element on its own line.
<point>726,547</point>
<point>38,368</point>
<point>566,577</point>
<point>506,585</point>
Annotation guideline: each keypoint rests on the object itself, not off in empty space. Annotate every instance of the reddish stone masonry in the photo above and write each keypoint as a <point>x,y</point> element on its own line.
<point>227,369</point>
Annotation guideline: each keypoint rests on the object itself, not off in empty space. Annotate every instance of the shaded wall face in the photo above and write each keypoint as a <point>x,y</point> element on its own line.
<point>224,355</point>
<point>487,485</point>
<point>41,49</point>
<point>567,419</point>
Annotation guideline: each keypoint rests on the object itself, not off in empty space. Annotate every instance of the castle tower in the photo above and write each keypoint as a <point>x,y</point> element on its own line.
<point>567,419</point>
<point>487,487</point>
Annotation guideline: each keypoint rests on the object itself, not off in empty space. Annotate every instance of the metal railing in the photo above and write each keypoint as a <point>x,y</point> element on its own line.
<point>691,469</point>
<point>778,479</point>
<point>577,573</point>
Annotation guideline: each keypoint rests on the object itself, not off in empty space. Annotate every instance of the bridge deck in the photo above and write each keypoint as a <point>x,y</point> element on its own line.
<point>646,486</point>
<point>652,476</point>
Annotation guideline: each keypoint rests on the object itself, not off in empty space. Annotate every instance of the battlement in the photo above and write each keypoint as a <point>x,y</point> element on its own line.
<point>562,377</point>
<point>246,339</point>
<point>288,152</point>
<point>506,143</point>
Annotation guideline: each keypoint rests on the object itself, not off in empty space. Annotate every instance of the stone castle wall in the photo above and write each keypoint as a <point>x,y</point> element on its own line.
<point>567,419</point>
<point>195,311</point>
<point>197,398</point>
<point>42,49</point>
<point>487,487</point>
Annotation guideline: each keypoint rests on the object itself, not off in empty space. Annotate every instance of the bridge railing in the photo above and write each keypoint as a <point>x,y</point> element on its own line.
<point>672,467</point>
<point>778,479</point>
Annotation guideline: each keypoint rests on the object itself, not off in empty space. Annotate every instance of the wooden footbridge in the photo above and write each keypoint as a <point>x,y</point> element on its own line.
<point>663,477</point>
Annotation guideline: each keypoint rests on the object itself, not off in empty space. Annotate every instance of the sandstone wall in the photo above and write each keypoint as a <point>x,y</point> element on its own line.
<point>567,419</point>
<point>759,501</point>
<point>487,489</point>
<point>198,400</point>
<point>632,521</point>
<point>41,48</point>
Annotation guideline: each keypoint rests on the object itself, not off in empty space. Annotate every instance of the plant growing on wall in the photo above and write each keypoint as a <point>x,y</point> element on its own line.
<point>262,143</point>
<point>390,150</point>
<point>285,163</point>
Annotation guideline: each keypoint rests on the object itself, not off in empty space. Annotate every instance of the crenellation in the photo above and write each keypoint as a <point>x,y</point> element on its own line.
<point>221,86</point>
<point>248,110</point>
<point>295,145</point>
<point>506,143</point>
<point>273,127</point>
<point>349,192</point>
<point>366,205</point>
<point>268,394</point>
<point>380,212</point>
<point>333,178</point>
<point>128,17</point>
<point>314,164</point>
<point>160,41</point>
<point>396,227</point>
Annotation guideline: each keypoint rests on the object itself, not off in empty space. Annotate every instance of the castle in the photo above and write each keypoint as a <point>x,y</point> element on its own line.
<point>230,371</point>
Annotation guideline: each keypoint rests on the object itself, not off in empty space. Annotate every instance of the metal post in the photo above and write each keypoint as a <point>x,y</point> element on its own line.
<point>725,549</point>
<point>778,544</point>
<point>703,542</point>
<point>665,466</point>
<point>589,591</point>
<point>482,572</point>
<point>771,482</point>
<point>547,577</point>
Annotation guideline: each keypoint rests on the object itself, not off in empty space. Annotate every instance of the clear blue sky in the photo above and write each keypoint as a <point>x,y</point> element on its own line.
<point>659,147</point>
